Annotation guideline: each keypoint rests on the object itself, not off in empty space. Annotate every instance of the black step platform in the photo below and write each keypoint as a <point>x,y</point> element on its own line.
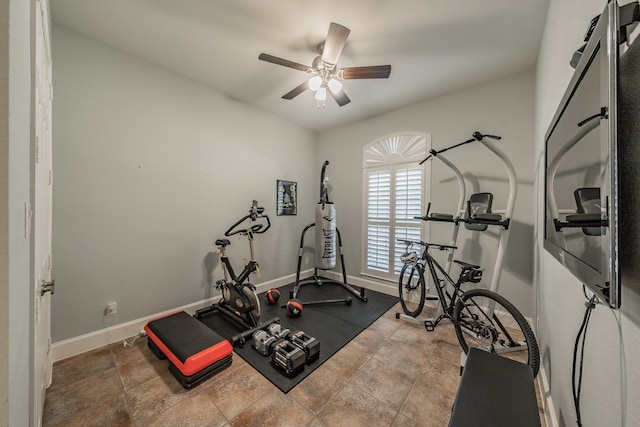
<point>195,352</point>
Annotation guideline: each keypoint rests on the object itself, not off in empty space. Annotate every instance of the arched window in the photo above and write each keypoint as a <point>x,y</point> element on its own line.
<point>396,189</point>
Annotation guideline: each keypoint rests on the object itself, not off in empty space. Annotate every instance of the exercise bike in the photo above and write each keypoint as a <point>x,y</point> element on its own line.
<point>239,300</point>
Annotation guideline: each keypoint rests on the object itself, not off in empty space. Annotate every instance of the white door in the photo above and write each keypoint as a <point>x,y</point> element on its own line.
<point>42,214</point>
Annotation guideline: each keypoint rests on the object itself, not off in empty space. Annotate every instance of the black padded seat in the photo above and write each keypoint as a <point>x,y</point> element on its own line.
<point>465,265</point>
<point>495,392</point>
<point>487,217</point>
<point>584,217</point>
<point>478,204</point>
<point>441,217</point>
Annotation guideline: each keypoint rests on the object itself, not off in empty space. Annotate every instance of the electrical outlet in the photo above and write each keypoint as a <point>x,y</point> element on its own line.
<point>112,308</point>
<point>306,260</point>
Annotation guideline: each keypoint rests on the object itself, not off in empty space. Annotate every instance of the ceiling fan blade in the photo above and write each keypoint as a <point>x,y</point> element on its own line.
<point>372,72</point>
<point>296,91</point>
<point>284,62</point>
<point>340,97</point>
<point>336,39</point>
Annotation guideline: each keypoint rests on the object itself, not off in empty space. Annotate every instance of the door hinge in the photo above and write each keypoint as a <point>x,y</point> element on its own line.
<point>27,220</point>
<point>37,153</point>
<point>47,287</point>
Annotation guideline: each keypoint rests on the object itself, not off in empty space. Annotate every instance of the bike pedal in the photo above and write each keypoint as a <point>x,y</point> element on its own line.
<point>429,325</point>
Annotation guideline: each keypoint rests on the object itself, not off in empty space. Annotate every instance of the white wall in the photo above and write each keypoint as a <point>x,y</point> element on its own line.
<point>611,383</point>
<point>150,169</point>
<point>17,61</point>
<point>504,108</point>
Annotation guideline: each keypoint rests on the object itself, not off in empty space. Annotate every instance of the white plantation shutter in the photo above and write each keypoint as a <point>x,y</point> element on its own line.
<point>378,220</point>
<point>408,205</point>
<point>395,188</point>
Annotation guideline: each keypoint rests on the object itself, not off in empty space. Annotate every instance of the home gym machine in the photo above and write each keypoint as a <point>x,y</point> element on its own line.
<point>453,219</point>
<point>325,248</point>
<point>477,215</point>
<point>239,301</point>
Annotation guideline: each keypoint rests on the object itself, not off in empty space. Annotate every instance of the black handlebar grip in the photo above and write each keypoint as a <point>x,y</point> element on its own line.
<point>477,135</point>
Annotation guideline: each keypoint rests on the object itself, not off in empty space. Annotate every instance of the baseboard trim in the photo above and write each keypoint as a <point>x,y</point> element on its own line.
<point>545,396</point>
<point>73,346</point>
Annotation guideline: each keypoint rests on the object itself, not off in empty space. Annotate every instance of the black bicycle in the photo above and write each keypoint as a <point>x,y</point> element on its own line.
<point>482,318</point>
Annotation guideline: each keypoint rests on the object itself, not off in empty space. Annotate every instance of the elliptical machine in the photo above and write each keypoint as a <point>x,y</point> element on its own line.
<point>239,300</point>
<point>325,248</point>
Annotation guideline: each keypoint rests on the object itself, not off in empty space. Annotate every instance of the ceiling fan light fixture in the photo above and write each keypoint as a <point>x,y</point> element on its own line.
<point>324,73</point>
<point>334,85</point>
<point>321,94</point>
<point>315,82</point>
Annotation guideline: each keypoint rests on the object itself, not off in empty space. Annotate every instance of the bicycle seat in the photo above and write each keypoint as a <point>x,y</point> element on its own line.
<point>223,242</point>
<point>466,265</point>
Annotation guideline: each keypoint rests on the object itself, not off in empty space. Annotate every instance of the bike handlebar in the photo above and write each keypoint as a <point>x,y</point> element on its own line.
<point>255,212</point>
<point>426,244</point>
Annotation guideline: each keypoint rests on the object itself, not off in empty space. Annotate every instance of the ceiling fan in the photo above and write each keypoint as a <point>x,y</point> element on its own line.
<point>326,75</point>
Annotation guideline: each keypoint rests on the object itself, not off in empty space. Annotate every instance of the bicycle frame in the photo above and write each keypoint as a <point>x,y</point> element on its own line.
<point>446,300</point>
<point>249,268</point>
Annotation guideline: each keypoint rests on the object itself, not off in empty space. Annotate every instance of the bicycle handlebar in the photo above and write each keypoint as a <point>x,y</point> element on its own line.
<point>426,244</point>
<point>255,212</point>
<point>476,136</point>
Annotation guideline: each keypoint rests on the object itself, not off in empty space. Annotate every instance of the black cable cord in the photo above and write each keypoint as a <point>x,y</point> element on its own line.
<point>582,334</point>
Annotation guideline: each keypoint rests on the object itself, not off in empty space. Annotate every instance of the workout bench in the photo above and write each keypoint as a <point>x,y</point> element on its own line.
<point>195,352</point>
<point>495,392</point>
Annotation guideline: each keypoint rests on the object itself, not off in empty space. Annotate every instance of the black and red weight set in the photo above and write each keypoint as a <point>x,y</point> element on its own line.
<point>289,351</point>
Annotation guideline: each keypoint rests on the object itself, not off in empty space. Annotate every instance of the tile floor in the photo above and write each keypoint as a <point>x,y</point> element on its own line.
<point>393,374</point>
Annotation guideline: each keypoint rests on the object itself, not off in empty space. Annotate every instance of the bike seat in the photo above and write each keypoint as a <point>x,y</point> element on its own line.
<point>223,242</point>
<point>466,265</point>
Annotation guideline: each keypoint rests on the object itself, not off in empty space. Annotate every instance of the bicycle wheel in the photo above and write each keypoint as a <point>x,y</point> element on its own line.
<point>412,289</point>
<point>487,320</point>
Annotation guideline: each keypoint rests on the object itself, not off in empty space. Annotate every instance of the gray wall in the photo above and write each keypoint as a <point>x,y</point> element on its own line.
<point>504,108</point>
<point>4,212</point>
<point>150,169</point>
<point>611,383</point>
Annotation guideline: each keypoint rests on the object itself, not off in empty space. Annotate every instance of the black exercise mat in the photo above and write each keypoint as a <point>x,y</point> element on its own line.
<point>333,325</point>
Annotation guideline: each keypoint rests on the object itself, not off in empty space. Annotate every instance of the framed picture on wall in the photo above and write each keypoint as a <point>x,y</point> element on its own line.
<point>287,198</point>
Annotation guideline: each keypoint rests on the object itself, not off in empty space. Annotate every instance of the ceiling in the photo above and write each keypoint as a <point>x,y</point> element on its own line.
<point>433,46</point>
